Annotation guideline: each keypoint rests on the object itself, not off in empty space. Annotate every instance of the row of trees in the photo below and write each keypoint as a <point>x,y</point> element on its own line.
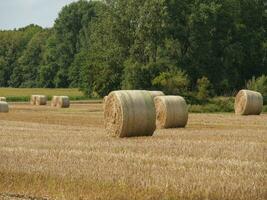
<point>173,45</point>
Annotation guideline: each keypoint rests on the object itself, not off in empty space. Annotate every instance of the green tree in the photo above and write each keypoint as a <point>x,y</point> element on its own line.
<point>172,82</point>
<point>258,84</point>
<point>204,88</point>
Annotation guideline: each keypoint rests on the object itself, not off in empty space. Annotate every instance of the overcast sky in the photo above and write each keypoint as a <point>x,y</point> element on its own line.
<point>20,13</point>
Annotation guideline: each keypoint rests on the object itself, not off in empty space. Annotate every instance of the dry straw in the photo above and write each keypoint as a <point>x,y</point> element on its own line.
<point>33,99</point>
<point>130,113</point>
<point>156,93</point>
<point>248,102</point>
<point>54,101</point>
<point>3,106</point>
<point>171,111</point>
<point>2,98</point>
<point>104,101</point>
<point>41,100</point>
<point>63,102</point>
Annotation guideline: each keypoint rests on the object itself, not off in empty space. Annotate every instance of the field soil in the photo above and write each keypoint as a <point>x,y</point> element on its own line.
<point>51,153</point>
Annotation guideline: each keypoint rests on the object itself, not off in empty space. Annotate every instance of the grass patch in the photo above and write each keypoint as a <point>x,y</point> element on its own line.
<point>217,104</point>
<point>23,94</point>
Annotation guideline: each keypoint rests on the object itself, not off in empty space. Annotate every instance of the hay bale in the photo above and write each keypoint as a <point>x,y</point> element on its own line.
<point>129,113</point>
<point>156,93</point>
<point>3,106</point>
<point>2,98</point>
<point>171,111</point>
<point>104,101</point>
<point>54,101</point>
<point>248,102</point>
<point>63,102</point>
<point>33,99</point>
<point>41,100</point>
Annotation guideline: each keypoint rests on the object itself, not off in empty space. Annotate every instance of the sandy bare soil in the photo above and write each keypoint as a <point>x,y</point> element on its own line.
<point>52,153</point>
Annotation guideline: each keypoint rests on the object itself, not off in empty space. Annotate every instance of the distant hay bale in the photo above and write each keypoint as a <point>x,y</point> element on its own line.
<point>156,93</point>
<point>130,113</point>
<point>54,101</point>
<point>171,111</point>
<point>41,100</point>
<point>2,98</point>
<point>63,102</point>
<point>3,106</point>
<point>33,99</point>
<point>248,102</point>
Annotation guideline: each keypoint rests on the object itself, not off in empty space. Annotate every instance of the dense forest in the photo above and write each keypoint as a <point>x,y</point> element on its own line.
<point>172,45</point>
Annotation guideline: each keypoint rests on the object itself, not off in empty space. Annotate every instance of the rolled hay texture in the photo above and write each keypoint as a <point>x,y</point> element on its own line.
<point>171,111</point>
<point>248,102</point>
<point>54,101</point>
<point>63,102</point>
<point>104,101</point>
<point>33,99</point>
<point>41,100</point>
<point>4,106</point>
<point>2,98</point>
<point>156,93</point>
<point>130,113</point>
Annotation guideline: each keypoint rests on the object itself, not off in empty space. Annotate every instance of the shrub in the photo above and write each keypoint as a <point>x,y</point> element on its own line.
<point>218,104</point>
<point>204,88</point>
<point>260,85</point>
<point>172,82</point>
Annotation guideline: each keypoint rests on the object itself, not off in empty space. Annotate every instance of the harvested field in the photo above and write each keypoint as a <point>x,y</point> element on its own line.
<point>50,153</point>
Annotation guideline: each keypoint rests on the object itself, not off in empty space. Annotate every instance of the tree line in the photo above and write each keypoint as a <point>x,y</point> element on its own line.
<point>172,45</point>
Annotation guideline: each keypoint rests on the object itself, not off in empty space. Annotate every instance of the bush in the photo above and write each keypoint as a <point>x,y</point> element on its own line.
<point>260,85</point>
<point>172,82</point>
<point>218,104</point>
<point>204,88</point>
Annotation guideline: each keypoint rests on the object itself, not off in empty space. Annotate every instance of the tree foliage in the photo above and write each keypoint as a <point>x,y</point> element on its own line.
<point>100,46</point>
<point>258,84</point>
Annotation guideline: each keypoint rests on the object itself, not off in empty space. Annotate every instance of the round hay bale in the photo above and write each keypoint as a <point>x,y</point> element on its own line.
<point>41,100</point>
<point>63,102</point>
<point>3,106</point>
<point>2,98</point>
<point>171,111</point>
<point>104,101</point>
<point>130,113</point>
<point>248,102</point>
<point>54,101</point>
<point>156,93</point>
<point>33,99</point>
